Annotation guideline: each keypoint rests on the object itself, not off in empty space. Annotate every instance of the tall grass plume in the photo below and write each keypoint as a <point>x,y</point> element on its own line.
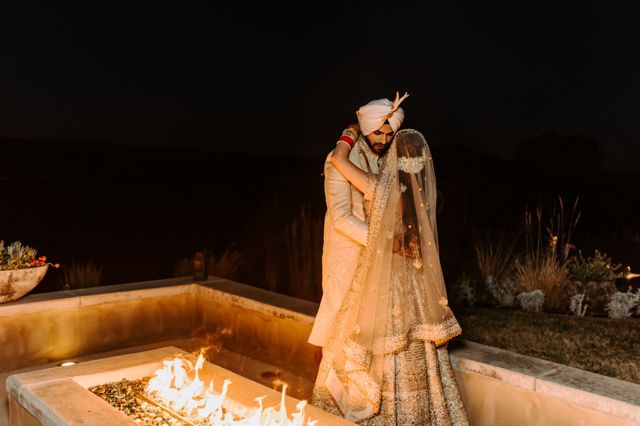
<point>543,265</point>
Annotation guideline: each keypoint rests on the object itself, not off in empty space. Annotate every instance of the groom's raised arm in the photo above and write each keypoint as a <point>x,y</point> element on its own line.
<point>338,195</point>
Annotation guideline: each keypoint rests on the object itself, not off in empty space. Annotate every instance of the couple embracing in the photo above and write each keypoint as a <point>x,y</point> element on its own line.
<point>384,320</point>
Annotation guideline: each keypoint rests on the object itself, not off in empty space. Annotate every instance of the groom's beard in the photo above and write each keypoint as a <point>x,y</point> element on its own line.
<point>379,149</point>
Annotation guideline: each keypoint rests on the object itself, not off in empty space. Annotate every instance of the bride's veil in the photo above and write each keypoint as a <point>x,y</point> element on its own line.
<point>398,293</point>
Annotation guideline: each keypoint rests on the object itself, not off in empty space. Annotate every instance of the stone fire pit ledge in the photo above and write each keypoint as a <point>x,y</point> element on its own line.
<point>60,395</point>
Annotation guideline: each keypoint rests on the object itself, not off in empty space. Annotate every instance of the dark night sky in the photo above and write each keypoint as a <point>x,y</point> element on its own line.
<point>235,77</point>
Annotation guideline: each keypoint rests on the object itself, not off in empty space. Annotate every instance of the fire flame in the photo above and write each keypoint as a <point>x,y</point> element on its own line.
<point>172,387</point>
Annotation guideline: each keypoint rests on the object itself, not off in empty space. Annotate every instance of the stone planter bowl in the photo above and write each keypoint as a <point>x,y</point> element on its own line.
<point>16,283</point>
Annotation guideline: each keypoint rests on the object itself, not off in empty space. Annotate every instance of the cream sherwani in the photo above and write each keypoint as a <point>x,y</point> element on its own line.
<point>345,232</point>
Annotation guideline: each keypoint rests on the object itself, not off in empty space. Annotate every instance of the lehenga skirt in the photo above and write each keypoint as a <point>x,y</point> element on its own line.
<point>419,388</point>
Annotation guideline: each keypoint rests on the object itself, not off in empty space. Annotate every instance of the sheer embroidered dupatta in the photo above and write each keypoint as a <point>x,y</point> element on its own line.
<point>380,316</point>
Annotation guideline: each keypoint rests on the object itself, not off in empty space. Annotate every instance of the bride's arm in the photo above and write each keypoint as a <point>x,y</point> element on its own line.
<point>340,160</point>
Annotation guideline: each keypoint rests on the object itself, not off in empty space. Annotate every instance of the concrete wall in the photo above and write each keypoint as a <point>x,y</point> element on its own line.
<point>492,402</point>
<point>276,335</point>
<point>504,388</point>
<point>498,387</point>
<point>47,336</point>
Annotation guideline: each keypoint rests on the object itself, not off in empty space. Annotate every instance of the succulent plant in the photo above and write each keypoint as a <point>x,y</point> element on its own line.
<point>19,256</point>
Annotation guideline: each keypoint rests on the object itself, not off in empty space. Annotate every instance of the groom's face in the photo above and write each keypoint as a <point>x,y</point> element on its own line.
<point>380,139</point>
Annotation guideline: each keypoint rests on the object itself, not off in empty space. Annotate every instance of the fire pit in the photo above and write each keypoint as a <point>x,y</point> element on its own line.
<point>177,396</point>
<point>165,386</point>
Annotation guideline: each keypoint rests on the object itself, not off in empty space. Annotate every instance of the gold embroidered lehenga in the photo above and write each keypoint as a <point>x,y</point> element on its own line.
<point>386,362</point>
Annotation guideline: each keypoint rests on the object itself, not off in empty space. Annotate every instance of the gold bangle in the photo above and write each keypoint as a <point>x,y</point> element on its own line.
<point>350,133</point>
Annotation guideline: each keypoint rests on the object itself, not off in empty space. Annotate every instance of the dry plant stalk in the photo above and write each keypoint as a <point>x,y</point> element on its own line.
<point>560,227</point>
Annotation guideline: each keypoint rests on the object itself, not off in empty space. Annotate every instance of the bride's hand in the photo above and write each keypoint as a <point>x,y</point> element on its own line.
<point>397,243</point>
<point>400,248</point>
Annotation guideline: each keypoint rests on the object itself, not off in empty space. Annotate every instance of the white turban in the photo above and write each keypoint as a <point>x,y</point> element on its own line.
<point>373,115</point>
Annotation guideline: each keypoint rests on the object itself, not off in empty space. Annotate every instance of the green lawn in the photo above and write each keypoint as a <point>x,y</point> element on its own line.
<point>601,345</point>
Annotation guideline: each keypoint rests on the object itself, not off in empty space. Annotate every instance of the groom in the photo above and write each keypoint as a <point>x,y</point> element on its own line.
<point>345,225</point>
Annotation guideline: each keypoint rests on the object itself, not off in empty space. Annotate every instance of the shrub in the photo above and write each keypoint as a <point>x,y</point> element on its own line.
<point>462,292</point>
<point>495,256</point>
<point>596,293</point>
<point>596,268</point>
<point>576,307</point>
<point>503,291</point>
<point>622,304</point>
<point>82,275</point>
<point>531,301</point>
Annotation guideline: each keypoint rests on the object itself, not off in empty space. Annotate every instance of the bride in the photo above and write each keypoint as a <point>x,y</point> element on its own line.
<point>386,362</point>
